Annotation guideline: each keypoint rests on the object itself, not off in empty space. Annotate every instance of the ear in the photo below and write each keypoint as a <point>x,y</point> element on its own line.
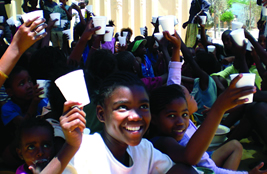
<point>100,113</point>
<point>19,153</point>
<point>9,92</point>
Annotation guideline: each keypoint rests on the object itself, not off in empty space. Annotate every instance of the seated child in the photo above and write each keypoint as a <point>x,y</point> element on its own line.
<point>138,49</point>
<point>177,136</point>
<point>25,103</point>
<point>35,145</point>
<point>123,107</point>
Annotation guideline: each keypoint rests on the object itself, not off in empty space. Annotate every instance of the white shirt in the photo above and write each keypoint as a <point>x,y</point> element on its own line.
<point>94,157</point>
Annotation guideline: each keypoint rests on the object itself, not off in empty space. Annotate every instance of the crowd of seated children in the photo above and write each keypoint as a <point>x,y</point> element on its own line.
<point>119,113</point>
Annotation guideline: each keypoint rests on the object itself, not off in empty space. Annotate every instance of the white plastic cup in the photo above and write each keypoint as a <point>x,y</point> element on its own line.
<point>142,30</point>
<point>167,24</point>
<point>125,33</point>
<point>100,21</point>
<point>211,48</point>
<point>108,36</point>
<point>1,19</point>
<point>1,32</point>
<point>264,11</point>
<point>154,19</point>
<point>10,21</point>
<point>122,40</point>
<point>159,36</point>
<point>43,84</point>
<point>63,22</point>
<point>73,87</point>
<point>55,16</point>
<point>238,36</point>
<point>175,20</point>
<point>248,79</point>
<point>68,32</point>
<point>236,25</point>
<point>203,19</point>
<point>89,8</point>
<point>30,16</point>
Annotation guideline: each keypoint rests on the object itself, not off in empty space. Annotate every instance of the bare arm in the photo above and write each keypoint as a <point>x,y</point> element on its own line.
<point>79,48</point>
<point>23,39</point>
<point>200,140</point>
<point>72,130</point>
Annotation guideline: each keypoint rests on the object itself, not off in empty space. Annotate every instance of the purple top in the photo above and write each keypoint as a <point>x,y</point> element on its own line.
<point>109,45</point>
<point>20,170</point>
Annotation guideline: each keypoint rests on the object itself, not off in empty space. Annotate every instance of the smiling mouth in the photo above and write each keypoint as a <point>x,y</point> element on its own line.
<point>40,161</point>
<point>133,129</point>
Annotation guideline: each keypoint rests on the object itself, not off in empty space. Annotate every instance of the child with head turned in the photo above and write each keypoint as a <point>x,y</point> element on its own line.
<point>175,134</point>
<point>123,107</point>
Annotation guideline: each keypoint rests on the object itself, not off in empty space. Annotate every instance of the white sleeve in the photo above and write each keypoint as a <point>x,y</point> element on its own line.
<point>174,76</point>
<point>226,171</point>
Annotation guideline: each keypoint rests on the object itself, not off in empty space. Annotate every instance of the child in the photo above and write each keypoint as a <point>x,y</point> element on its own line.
<point>177,136</point>
<point>35,145</point>
<point>138,49</point>
<point>65,14</point>
<point>25,103</point>
<point>123,107</point>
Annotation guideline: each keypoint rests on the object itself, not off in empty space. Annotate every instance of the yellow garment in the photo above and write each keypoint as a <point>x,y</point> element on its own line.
<point>191,117</point>
<point>191,35</point>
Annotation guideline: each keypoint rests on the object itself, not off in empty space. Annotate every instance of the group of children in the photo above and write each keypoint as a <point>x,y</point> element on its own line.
<point>141,118</point>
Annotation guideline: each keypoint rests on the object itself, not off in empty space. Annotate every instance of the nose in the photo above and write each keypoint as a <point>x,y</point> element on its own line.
<point>134,115</point>
<point>40,152</point>
<point>179,121</point>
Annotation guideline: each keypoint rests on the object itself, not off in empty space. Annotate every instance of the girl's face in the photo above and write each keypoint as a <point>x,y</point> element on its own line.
<point>37,147</point>
<point>174,119</point>
<point>227,42</point>
<point>22,86</point>
<point>191,102</point>
<point>126,115</point>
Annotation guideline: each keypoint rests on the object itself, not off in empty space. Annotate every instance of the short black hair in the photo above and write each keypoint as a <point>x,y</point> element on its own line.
<point>32,123</point>
<point>16,70</point>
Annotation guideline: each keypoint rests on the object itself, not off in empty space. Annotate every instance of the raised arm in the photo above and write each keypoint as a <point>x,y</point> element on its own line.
<point>22,40</point>
<point>79,48</point>
<point>72,123</point>
<point>203,76</point>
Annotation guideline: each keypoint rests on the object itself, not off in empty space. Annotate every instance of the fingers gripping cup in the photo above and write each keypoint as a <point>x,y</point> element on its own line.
<point>73,87</point>
<point>43,84</point>
<point>238,36</point>
<point>54,16</point>
<point>108,36</point>
<point>100,21</point>
<point>32,15</point>
<point>67,32</point>
<point>203,19</point>
<point>248,79</point>
<point>167,24</point>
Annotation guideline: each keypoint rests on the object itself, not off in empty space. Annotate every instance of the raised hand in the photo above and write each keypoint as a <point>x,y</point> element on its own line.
<point>73,123</point>
<point>230,97</point>
<point>26,35</point>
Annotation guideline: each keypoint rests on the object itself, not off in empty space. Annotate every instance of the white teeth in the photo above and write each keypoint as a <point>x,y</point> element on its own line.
<point>179,131</point>
<point>132,128</point>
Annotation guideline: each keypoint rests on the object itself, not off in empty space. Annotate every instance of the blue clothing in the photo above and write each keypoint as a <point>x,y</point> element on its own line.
<point>207,97</point>
<point>11,110</point>
<point>151,57</point>
<point>147,69</point>
<point>48,9</point>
